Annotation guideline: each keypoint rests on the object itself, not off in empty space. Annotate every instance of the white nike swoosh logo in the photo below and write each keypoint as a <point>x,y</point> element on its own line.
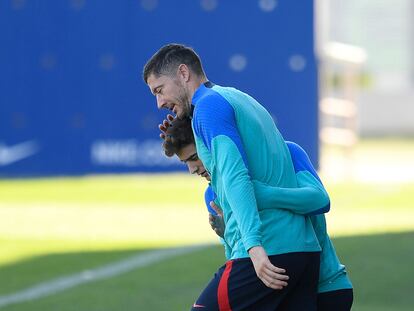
<point>198,306</point>
<point>11,154</point>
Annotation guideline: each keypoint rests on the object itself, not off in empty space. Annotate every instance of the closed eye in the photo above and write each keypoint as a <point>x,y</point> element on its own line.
<point>193,157</point>
<point>157,90</point>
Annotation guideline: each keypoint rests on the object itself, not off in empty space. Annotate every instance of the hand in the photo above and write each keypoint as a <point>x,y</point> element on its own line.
<point>270,275</point>
<point>217,221</point>
<point>165,125</point>
<point>216,208</point>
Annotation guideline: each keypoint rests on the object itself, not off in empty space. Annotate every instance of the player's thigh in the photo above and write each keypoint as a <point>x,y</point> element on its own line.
<point>248,292</point>
<point>208,300</point>
<point>338,300</point>
<point>236,287</point>
<point>303,294</point>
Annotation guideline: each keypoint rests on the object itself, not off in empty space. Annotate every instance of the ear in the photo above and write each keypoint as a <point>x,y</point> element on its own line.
<point>184,72</point>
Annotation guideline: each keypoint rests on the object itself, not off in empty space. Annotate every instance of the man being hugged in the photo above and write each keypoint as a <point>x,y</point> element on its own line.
<point>309,199</point>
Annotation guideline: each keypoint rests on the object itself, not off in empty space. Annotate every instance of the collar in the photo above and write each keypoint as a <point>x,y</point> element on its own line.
<point>198,93</point>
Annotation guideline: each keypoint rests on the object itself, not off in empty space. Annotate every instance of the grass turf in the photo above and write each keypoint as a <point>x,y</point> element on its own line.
<point>55,227</point>
<point>381,277</point>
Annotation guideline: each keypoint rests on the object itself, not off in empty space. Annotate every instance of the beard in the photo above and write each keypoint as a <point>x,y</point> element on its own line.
<point>184,102</point>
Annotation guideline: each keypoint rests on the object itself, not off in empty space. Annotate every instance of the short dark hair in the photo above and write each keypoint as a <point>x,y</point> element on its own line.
<point>167,59</point>
<point>178,135</point>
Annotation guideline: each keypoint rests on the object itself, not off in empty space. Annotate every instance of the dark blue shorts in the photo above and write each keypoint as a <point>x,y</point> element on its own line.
<point>338,300</point>
<point>235,286</point>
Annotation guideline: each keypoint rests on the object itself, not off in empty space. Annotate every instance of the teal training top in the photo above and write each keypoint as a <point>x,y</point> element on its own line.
<point>238,141</point>
<point>311,199</point>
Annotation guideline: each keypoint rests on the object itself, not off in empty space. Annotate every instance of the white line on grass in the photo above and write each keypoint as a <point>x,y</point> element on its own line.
<point>63,283</point>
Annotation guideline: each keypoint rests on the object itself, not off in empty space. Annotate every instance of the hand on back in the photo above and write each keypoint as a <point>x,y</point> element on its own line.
<point>270,275</point>
<point>217,221</point>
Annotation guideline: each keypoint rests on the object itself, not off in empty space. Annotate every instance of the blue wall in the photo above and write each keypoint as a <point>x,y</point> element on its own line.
<point>71,96</point>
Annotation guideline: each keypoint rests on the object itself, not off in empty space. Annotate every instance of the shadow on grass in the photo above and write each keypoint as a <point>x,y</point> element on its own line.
<point>380,266</point>
<point>381,269</point>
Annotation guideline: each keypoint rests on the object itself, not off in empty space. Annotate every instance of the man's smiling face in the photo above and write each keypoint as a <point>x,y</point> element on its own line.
<point>171,94</point>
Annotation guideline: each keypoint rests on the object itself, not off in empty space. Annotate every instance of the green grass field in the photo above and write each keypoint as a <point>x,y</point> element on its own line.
<point>55,227</point>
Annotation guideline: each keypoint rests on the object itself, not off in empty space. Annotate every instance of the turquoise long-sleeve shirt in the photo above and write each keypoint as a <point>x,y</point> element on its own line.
<point>310,198</point>
<point>238,142</point>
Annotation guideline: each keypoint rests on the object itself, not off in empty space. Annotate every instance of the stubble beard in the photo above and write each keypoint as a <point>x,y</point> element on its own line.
<point>185,104</point>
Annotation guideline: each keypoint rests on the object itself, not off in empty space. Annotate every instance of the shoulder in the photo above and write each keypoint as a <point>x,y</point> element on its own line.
<point>211,102</point>
<point>299,156</point>
<point>212,112</point>
<point>300,159</point>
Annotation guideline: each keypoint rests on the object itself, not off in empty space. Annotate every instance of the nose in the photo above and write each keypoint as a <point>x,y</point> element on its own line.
<point>192,169</point>
<point>160,101</point>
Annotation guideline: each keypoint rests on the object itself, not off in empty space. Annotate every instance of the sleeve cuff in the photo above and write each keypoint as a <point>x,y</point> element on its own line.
<point>252,242</point>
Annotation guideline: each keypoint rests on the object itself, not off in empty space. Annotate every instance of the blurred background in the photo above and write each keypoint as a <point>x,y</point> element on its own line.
<point>93,216</point>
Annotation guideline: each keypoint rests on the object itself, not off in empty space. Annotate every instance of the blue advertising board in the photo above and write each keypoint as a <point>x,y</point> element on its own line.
<point>72,100</point>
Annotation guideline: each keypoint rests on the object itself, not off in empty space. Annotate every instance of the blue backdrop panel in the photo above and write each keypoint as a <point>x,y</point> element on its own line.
<point>72,100</point>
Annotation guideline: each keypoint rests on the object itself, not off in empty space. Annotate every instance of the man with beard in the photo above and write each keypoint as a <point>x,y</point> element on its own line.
<point>237,141</point>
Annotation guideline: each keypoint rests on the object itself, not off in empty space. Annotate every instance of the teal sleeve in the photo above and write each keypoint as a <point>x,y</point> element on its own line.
<point>238,189</point>
<point>308,197</point>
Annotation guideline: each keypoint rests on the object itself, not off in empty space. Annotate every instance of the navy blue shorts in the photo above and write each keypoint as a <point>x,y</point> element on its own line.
<point>338,300</point>
<point>235,286</point>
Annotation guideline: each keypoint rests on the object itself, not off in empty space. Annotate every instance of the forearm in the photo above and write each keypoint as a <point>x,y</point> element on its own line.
<point>310,196</point>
